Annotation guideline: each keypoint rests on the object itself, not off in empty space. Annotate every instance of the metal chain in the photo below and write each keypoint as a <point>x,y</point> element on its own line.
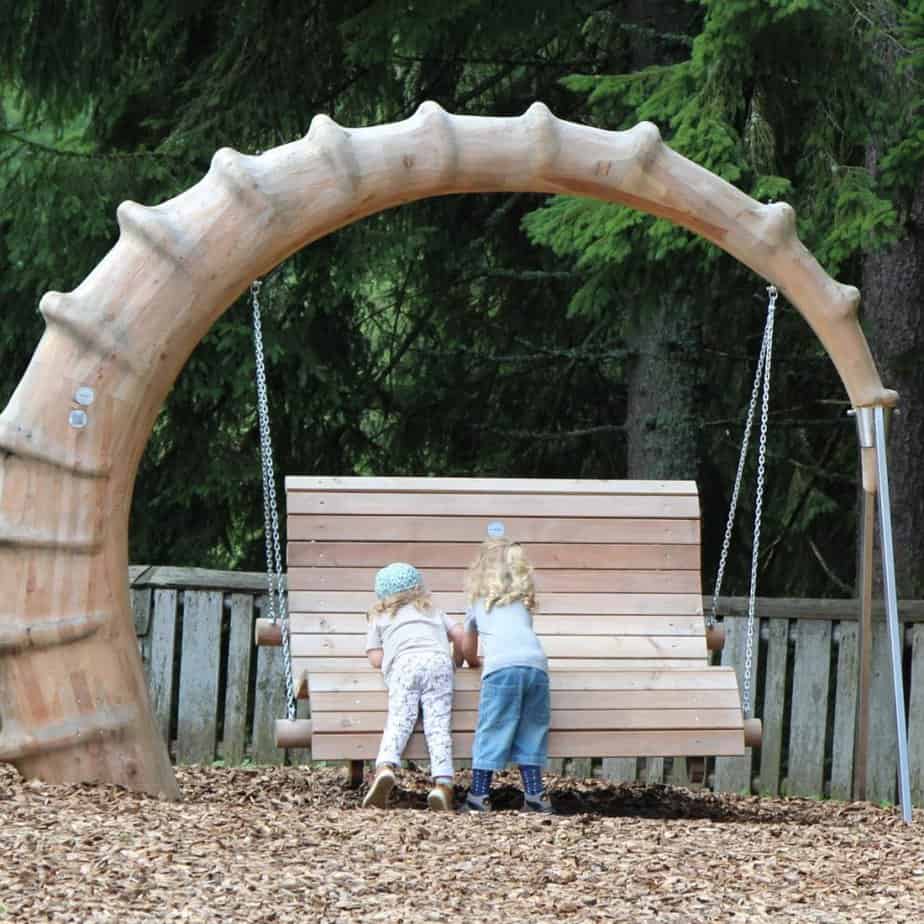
<point>746,703</point>
<point>274,576</point>
<point>761,381</point>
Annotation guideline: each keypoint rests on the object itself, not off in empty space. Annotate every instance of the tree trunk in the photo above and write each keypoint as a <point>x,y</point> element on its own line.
<point>661,419</point>
<point>893,289</point>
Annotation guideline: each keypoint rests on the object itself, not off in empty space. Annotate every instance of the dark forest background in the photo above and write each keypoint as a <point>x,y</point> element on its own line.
<point>499,335</point>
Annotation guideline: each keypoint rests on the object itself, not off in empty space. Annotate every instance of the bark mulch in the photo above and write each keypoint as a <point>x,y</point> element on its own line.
<point>292,844</point>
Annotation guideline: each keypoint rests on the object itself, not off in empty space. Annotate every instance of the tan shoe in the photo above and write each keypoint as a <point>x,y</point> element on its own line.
<point>440,798</point>
<point>380,788</point>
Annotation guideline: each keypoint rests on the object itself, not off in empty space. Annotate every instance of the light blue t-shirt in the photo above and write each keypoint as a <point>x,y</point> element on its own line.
<point>507,637</point>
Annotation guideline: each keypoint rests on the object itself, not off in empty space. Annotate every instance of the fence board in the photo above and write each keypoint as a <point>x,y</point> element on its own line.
<point>808,723</point>
<point>141,613</point>
<point>200,662</point>
<point>916,716</point>
<point>298,756</point>
<point>581,768</point>
<point>620,769</point>
<point>237,690</point>
<point>654,770</point>
<point>163,650</point>
<point>882,764</point>
<point>771,749</point>
<point>733,774</point>
<point>269,705</point>
<point>679,775</point>
<point>845,712</point>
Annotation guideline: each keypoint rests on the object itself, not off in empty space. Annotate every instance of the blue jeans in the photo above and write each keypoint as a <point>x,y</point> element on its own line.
<point>513,719</point>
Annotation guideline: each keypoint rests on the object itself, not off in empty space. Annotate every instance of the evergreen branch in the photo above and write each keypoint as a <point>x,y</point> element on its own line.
<point>17,135</point>
<point>546,435</point>
<point>843,586</point>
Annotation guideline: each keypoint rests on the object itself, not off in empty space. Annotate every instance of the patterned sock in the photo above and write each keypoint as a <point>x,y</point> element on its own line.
<point>532,779</point>
<point>481,782</point>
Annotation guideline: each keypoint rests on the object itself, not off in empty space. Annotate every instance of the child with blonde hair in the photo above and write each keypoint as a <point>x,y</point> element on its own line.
<point>513,712</point>
<point>409,639</point>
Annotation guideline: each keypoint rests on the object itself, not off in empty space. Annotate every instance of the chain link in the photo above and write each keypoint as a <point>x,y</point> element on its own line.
<point>761,388</point>
<point>276,595</point>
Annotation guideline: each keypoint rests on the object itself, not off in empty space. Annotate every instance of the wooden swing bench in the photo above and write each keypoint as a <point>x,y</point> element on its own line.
<point>620,610</point>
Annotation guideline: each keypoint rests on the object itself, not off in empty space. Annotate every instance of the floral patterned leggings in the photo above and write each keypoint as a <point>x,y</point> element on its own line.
<point>415,682</point>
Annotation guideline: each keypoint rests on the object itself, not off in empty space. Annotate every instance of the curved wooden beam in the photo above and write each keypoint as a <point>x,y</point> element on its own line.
<point>75,428</point>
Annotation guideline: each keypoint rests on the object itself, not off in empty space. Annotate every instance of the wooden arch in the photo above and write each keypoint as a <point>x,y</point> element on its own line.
<point>73,701</point>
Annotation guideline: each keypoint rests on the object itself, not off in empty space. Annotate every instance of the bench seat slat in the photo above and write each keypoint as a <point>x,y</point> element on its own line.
<point>377,700</point>
<point>461,485</point>
<point>496,505</point>
<point>720,742</point>
<point>446,579</point>
<point>544,623</point>
<point>544,556</point>
<point>354,601</point>
<point>676,678</point>
<point>561,720</point>
<point>472,529</point>
<point>339,665</point>
<point>556,646</point>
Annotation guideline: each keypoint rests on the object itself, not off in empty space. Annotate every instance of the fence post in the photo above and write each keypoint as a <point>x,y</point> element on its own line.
<point>199,668</point>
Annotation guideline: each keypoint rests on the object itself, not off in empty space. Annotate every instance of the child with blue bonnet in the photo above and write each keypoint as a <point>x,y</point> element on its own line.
<point>409,639</point>
<point>513,712</point>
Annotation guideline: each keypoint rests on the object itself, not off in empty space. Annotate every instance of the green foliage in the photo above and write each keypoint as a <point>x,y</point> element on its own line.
<point>477,334</point>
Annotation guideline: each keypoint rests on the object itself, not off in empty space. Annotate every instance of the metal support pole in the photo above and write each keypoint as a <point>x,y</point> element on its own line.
<point>864,649</point>
<point>891,603</point>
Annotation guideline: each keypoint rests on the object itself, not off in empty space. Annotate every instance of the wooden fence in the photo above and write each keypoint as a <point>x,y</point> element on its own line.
<point>216,696</point>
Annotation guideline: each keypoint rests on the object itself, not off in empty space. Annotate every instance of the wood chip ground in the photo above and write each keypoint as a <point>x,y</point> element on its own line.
<point>292,844</point>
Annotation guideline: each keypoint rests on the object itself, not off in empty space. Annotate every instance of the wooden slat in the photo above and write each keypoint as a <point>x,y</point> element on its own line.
<point>619,769</point>
<point>809,719</point>
<point>377,700</point>
<point>681,678</point>
<point>916,716</point>
<point>269,705</point>
<point>845,712</point>
<point>495,505</point>
<point>619,556</point>
<point>882,762</point>
<point>237,687</point>
<point>655,720</point>
<point>654,768</point>
<point>197,724</point>
<point>462,485</point>
<point>348,665</point>
<point>561,744</point>
<point>556,646</point>
<point>733,774</point>
<point>544,624</point>
<point>348,601</point>
<point>771,750</point>
<point>580,768</point>
<point>571,581</point>
<point>163,631</point>
<point>472,529</point>
<point>297,756</point>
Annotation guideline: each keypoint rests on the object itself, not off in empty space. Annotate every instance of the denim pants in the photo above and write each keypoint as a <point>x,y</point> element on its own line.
<point>513,719</point>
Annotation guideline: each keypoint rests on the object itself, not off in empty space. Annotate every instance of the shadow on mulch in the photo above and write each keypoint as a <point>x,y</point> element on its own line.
<point>596,797</point>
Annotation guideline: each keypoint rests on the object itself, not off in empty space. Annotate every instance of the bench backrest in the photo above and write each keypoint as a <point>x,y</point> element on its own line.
<point>617,562</point>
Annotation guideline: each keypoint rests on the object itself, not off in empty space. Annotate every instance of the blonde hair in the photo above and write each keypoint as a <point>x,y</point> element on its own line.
<point>419,596</point>
<point>501,574</point>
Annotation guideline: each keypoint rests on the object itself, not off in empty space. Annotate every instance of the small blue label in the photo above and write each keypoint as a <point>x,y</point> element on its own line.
<point>496,529</point>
